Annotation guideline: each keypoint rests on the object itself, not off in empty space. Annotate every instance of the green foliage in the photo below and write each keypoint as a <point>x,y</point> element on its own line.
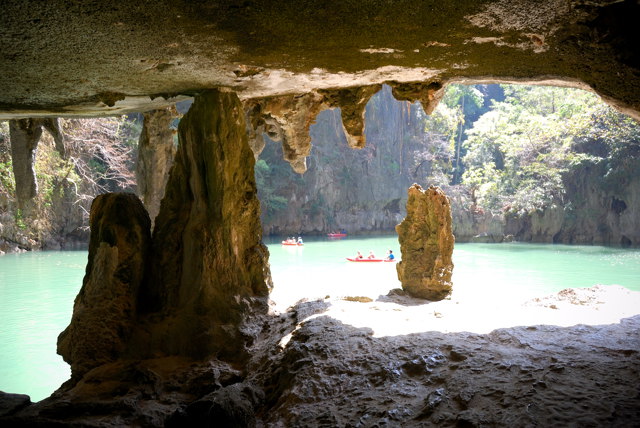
<point>520,153</point>
<point>100,158</point>
<point>20,220</point>
<point>129,129</point>
<point>7,180</point>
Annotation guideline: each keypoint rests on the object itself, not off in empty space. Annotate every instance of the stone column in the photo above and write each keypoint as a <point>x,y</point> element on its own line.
<point>209,266</point>
<point>25,135</point>
<point>426,244</point>
<point>155,157</point>
<point>105,310</point>
<point>53,127</point>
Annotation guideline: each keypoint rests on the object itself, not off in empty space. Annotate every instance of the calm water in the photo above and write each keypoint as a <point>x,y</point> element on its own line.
<point>37,289</point>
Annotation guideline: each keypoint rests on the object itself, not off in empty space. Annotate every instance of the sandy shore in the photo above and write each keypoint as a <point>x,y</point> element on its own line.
<point>471,310</point>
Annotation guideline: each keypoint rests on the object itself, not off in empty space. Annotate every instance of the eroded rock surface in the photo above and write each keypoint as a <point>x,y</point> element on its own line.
<point>332,374</point>
<point>426,244</point>
<point>155,157</point>
<point>286,119</point>
<point>25,136</point>
<point>265,48</point>
<point>352,103</point>
<point>313,367</point>
<point>210,268</point>
<point>105,310</point>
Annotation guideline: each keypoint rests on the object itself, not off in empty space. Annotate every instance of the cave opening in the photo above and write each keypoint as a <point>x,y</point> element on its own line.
<point>353,190</point>
<point>281,59</point>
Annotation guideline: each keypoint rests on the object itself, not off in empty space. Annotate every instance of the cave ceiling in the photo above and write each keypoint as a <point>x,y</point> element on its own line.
<point>88,58</point>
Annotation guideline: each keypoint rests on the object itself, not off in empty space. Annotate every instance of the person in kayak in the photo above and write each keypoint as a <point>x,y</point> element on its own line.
<point>300,240</point>
<point>390,255</point>
<point>371,255</point>
<point>359,256</point>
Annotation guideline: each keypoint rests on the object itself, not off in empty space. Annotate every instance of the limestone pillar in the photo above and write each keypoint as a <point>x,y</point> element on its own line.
<point>25,135</point>
<point>209,266</point>
<point>426,243</point>
<point>155,157</point>
<point>53,127</point>
<point>105,310</point>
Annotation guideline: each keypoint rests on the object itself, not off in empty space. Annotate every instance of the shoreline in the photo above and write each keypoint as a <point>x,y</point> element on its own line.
<point>395,314</point>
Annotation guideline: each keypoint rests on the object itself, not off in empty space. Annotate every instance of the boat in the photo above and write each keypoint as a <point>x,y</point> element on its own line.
<point>351,259</point>
<point>336,235</point>
<point>293,244</point>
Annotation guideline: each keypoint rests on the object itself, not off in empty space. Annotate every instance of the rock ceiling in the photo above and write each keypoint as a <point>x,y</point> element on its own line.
<point>64,58</point>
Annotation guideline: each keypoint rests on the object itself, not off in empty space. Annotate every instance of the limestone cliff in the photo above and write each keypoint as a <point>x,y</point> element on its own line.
<point>599,210</point>
<point>426,244</point>
<point>362,191</point>
<point>594,211</point>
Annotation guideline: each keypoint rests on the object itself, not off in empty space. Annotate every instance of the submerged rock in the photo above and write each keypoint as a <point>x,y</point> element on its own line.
<point>426,243</point>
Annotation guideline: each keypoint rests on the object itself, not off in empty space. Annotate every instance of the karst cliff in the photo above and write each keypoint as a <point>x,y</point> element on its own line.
<point>172,325</point>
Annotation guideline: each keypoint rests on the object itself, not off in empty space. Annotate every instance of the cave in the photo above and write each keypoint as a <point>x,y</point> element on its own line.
<point>172,326</point>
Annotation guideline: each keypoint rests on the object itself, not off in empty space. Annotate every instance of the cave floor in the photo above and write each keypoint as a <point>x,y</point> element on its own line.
<point>570,359</point>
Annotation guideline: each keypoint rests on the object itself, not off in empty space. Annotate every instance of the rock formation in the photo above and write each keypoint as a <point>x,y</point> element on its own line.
<point>25,136</point>
<point>352,103</point>
<point>209,269</point>
<point>426,244</point>
<point>251,48</point>
<point>156,150</point>
<point>286,119</point>
<point>208,259</point>
<point>187,291</point>
<point>105,311</point>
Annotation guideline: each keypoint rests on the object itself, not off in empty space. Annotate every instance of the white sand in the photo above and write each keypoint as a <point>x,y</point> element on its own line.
<point>471,311</point>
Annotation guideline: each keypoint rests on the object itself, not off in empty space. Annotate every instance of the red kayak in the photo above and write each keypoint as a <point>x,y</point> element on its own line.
<point>336,235</point>
<point>295,244</point>
<point>369,260</point>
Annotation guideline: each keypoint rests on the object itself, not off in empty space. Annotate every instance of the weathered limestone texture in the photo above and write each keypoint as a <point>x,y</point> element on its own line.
<point>352,103</point>
<point>155,157</point>
<point>104,311</point>
<point>25,135</point>
<point>426,243</point>
<point>208,258</point>
<point>52,125</point>
<point>429,94</point>
<point>291,116</point>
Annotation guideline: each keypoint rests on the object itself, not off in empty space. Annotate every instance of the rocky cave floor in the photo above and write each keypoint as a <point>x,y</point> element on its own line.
<point>343,363</point>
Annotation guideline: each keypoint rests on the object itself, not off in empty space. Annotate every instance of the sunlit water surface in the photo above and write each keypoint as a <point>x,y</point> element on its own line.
<point>37,289</point>
<point>513,270</point>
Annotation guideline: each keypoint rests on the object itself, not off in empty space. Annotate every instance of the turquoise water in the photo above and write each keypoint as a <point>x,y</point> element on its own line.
<point>36,300</point>
<point>37,289</point>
